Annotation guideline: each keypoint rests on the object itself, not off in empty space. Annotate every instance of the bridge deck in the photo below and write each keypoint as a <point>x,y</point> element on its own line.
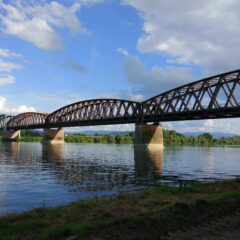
<point>209,98</point>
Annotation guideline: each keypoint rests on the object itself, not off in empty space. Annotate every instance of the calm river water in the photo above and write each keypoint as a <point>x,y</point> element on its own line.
<point>35,174</point>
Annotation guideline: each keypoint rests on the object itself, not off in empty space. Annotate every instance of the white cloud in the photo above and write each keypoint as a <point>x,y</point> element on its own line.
<point>36,22</point>
<point>22,109</point>
<point>157,79</point>
<point>203,33</point>
<point>5,107</point>
<point>7,79</point>
<point>210,125</point>
<point>6,53</point>
<point>123,51</point>
<point>8,66</point>
<point>2,103</point>
<point>89,2</point>
<point>124,94</point>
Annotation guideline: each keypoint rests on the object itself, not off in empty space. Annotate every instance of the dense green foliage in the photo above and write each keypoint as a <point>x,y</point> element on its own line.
<point>205,139</point>
<point>117,139</point>
<point>29,139</point>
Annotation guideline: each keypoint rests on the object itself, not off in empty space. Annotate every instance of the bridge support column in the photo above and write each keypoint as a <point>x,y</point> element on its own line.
<point>149,135</point>
<point>11,135</point>
<point>53,135</point>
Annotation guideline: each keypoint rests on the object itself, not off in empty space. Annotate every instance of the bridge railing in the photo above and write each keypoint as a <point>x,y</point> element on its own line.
<point>4,118</point>
<point>28,120</point>
<point>213,97</point>
<point>95,112</point>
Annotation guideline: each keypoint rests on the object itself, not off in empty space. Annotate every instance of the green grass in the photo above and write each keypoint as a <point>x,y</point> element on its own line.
<point>149,214</point>
<point>67,230</point>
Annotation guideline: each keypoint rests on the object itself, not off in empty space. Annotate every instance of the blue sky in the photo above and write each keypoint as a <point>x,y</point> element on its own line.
<point>53,53</point>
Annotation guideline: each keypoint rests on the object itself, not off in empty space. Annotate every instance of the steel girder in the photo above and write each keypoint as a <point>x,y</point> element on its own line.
<point>28,120</point>
<point>4,118</point>
<point>213,97</point>
<point>95,112</point>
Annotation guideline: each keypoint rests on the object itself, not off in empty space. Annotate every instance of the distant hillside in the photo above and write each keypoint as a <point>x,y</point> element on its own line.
<point>106,132</point>
<point>101,132</point>
<point>215,134</point>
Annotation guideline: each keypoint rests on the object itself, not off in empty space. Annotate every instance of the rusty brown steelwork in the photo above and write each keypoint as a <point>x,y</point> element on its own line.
<point>4,118</point>
<point>95,112</point>
<point>213,97</point>
<point>28,120</point>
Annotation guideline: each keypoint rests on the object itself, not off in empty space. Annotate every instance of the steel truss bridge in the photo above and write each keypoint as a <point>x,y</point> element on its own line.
<point>214,97</point>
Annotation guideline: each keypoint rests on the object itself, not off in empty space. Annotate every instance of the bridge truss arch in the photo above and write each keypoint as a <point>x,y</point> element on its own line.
<point>4,118</point>
<point>213,97</point>
<point>95,112</point>
<point>28,120</point>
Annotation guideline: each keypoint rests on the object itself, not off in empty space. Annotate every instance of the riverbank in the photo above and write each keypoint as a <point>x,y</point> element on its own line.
<point>190,211</point>
<point>171,138</point>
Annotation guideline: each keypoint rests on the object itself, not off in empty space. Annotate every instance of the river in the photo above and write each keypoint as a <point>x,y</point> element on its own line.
<point>35,175</point>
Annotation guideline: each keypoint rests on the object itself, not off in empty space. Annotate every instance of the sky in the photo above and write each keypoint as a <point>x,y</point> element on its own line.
<point>53,53</point>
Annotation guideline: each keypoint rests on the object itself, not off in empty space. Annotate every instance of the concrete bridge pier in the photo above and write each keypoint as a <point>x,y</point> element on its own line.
<point>147,135</point>
<point>11,135</point>
<point>53,135</point>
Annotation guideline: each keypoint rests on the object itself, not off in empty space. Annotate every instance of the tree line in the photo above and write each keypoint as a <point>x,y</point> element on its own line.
<point>171,138</point>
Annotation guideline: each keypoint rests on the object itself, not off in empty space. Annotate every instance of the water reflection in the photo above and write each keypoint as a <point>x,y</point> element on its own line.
<point>34,173</point>
<point>148,161</point>
<point>99,174</point>
<point>9,149</point>
<point>14,149</point>
<point>76,169</point>
<point>51,152</point>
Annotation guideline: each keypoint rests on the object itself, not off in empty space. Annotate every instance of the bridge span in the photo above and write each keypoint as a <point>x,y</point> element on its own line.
<point>210,98</point>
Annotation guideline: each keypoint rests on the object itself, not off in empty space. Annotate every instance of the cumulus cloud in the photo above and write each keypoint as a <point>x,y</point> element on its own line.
<point>36,22</point>
<point>210,125</point>
<point>22,109</point>
<point>202,33</point>
<point>7,66</point>
<point>5,107</point>
<point>157,79</point>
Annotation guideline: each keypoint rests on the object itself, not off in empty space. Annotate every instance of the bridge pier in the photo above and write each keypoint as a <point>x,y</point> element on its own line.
<point>53,135</point>
<point>11,135</point>
<point>149,135</point>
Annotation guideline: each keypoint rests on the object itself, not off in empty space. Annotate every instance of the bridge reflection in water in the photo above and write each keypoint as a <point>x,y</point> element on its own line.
<point>33,174</point>
<point>148,161</point>
<point>51,152</point>
<point>91,175</point>
<point>14,150</point>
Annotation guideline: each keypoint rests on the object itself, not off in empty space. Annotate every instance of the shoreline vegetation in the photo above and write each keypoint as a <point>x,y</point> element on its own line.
<point>171,138</point>
<point>191,210</point>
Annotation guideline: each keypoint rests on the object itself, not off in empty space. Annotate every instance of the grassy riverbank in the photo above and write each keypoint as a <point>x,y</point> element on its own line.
<point>187,212</point>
